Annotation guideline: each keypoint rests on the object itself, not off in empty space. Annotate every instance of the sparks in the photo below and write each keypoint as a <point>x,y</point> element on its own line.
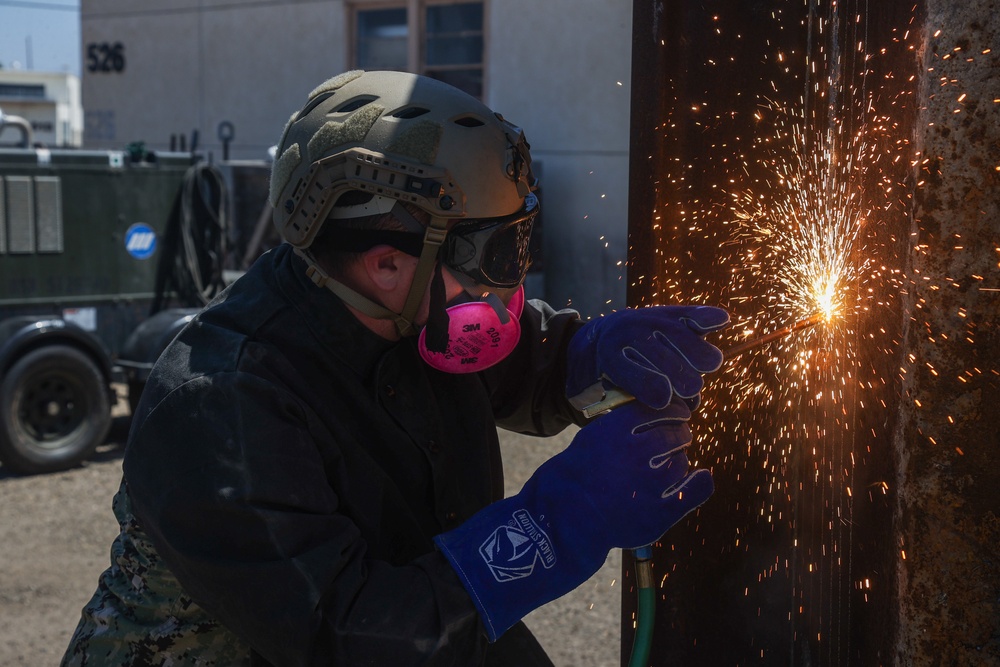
<point>799,227</point>
<point>825,295</point>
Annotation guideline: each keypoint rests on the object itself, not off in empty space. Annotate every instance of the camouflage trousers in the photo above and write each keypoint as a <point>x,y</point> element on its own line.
<point>139,614</point>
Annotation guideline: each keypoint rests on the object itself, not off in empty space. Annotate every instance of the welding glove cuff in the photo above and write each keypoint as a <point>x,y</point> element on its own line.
<point>622,482</point>
<point>653,353</point>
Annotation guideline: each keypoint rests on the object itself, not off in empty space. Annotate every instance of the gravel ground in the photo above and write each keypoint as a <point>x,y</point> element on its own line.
<point>56,530</point>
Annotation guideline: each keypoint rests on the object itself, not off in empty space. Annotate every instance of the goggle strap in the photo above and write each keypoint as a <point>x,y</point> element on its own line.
<point>406,218</point>
<point>361,240</point>
<point>349,296</point>
<point>434,236</point>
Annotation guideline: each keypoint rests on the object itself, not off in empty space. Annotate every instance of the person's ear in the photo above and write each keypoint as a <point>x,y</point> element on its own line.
<point>384,266</point>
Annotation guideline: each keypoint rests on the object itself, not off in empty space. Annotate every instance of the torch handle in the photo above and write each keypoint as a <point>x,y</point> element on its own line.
<point>615,397</point>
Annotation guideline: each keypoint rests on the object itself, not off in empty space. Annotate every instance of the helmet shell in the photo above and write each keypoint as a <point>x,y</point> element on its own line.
<point>401,136</point>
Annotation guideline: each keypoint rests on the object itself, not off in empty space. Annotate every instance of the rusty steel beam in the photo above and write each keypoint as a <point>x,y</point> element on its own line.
<point>949,441</point>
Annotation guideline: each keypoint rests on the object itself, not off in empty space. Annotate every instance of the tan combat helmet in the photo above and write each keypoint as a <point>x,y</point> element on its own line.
<point>401,138</point>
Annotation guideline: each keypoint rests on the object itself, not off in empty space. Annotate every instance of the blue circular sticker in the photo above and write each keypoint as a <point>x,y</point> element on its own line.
<point>140,240</point>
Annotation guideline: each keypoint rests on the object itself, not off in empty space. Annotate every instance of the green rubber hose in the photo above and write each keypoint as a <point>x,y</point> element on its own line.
<point>645,608</point>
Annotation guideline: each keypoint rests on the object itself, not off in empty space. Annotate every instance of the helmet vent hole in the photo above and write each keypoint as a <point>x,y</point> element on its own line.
<point>315,102</point>
<point>355,104</point>
<point>469,121</point>
<point>410,112</point>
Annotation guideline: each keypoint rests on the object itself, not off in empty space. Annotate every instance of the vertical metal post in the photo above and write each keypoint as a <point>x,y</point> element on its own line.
<point>949,440</point>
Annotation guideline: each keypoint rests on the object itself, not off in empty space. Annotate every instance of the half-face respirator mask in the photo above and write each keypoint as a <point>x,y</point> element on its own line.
<point>480,327</point>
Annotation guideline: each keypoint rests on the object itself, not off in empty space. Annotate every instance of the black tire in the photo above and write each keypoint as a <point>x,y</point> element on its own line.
<point>54,410</point>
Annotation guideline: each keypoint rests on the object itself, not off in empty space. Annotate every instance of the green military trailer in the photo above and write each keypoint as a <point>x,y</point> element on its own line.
<point>82,236</point>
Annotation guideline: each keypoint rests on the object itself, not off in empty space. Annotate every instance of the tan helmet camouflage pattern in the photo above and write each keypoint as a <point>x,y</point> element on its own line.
<point>400,136</point>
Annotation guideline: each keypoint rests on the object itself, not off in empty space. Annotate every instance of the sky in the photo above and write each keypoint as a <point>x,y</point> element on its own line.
<point>42,35</point>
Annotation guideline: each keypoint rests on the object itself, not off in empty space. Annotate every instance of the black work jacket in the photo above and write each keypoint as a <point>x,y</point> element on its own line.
<point>291,468</point>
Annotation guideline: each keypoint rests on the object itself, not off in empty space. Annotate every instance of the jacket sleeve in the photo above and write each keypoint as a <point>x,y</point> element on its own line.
<point>528,389</point>
<point>227,481</point>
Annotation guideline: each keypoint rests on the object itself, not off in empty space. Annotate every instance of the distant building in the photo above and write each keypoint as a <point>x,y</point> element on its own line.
<point>49,101</point>
<point>228,74</point>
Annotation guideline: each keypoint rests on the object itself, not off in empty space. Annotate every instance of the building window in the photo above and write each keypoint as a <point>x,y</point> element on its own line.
<point>442,40</point>
<point>453,49</point>
<point>381,39</point>
<point>22,90</point>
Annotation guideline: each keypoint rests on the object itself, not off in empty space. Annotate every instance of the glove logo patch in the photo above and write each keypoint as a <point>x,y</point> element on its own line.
<point>513,551</point>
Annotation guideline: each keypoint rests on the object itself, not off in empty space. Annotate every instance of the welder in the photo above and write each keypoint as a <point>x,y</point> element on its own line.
<point>313,472</point>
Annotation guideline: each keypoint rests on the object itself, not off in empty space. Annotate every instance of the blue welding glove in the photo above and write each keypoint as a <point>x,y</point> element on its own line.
<point>622,482</point>
<point>653,353</point>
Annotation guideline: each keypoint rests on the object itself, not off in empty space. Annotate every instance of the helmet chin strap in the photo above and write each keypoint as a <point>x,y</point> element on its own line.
<point>434,235</point>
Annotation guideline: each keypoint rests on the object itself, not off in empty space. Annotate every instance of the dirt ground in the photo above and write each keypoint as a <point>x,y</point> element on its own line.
<point>56,531</point>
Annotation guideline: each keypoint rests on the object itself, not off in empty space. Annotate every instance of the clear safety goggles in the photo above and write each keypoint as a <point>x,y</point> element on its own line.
<point>494,251</point>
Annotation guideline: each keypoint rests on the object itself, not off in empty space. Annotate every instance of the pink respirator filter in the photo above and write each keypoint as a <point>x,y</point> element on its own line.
<point>477,336</point>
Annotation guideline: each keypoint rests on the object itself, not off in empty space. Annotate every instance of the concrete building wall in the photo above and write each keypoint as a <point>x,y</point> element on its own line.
<point>560,69</point>
<point>190,68</point>
<point>563,67</point>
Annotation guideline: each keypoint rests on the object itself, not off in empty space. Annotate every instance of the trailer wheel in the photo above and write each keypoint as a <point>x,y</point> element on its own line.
<point>54,410</point>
